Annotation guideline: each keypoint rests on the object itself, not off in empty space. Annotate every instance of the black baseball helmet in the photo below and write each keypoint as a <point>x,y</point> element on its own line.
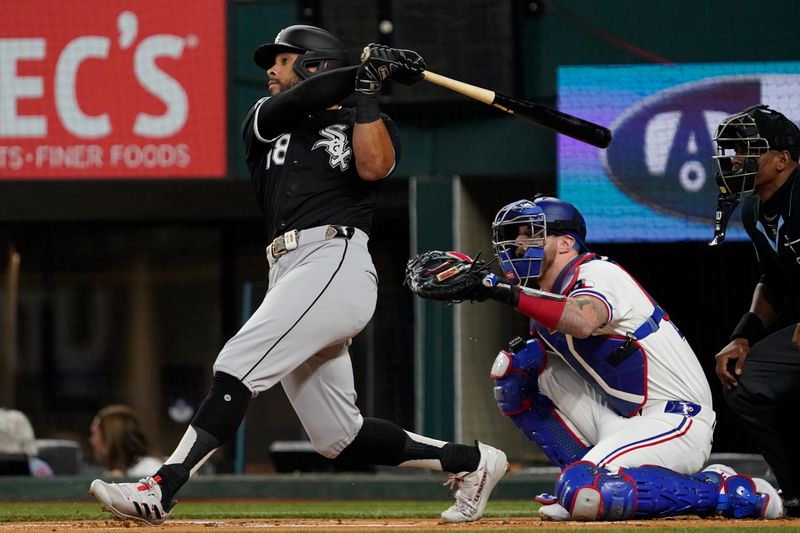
<point>318,48</point>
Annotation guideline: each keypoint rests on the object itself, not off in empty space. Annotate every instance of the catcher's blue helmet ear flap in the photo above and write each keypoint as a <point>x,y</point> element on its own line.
<point>563,218</point>
<point>518,237</point>
<point>317,48</point>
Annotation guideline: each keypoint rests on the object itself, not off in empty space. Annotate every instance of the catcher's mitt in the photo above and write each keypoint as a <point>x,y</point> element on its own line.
<point>447,276</point>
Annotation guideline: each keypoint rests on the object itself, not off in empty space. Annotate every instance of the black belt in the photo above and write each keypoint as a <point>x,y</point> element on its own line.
<point>283,244</point>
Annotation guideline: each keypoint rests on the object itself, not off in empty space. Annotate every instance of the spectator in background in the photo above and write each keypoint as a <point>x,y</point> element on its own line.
<point>17,437</point>
<point>119,443</point>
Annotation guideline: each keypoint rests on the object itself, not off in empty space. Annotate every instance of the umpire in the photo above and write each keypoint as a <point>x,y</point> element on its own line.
<point>758,152</point>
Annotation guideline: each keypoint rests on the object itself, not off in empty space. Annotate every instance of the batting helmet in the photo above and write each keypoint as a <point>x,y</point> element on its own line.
<point>532,220</point>
<point>317,48</point>
<point>748,135</point>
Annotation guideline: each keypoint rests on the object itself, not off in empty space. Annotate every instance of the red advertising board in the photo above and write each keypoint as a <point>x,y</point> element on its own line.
<point>106,89</point>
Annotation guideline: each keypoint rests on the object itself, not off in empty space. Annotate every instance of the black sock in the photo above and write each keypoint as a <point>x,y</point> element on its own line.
<point>215,423</point>
<point>171,478</point>
<point>457,458</point>
<point>453,457</point>
<point>381,442</point>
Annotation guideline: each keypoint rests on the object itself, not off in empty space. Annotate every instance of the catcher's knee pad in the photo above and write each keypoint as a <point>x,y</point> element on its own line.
<point>516,392</point>
<point>516,373</point>
<point>590,492</point>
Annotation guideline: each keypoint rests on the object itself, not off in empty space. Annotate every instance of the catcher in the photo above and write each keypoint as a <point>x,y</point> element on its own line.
<point>607,386</point>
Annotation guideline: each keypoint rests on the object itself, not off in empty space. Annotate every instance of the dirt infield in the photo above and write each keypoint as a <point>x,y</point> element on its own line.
<point>397,524</point>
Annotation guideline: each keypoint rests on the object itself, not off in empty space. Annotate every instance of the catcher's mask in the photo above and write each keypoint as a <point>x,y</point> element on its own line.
<point>317,48</point>
<point>519,231</point>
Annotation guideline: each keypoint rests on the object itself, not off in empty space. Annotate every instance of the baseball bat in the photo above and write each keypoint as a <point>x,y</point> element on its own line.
<point>569,125</point>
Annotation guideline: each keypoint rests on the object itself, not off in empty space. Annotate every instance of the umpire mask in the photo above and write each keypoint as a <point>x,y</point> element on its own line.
<point>747,136</point>
<point>738,136</point>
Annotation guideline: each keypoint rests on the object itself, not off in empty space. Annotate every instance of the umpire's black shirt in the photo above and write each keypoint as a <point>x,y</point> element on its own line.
<point>306,176</point>
<point>774,228</point>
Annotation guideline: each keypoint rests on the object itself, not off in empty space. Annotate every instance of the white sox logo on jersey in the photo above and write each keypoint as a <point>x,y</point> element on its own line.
<point>336,145</point>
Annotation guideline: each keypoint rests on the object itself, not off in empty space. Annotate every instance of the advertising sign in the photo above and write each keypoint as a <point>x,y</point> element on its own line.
<point>656,181</point>
<point>106,89</point>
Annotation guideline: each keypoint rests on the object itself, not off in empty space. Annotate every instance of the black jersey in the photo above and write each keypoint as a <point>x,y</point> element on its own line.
<point>306,176</point>
<point>774,228</point>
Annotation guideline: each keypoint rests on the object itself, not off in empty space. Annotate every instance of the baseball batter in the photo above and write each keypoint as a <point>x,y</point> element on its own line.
<point>607,387</point>
<point>314,165</point>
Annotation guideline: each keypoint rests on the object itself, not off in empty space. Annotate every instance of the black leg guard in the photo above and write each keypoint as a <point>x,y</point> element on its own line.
<point>215,423</point>
<point>224,408</point>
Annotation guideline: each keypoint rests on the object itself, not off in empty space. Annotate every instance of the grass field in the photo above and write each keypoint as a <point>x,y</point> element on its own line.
<point>264,509</point>
<point>350,516</point>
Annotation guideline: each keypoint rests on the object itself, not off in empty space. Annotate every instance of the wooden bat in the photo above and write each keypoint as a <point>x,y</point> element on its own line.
<point>569,125</point>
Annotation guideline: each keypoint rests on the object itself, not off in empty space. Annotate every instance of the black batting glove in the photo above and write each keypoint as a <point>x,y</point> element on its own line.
<point>374,68</point>
<point>406,66</point>
<point>412,67</point>
<point>379,63</point>
<point>368,82</point>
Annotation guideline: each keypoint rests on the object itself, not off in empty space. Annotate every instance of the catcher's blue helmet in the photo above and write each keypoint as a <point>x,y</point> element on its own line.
<point>532,220</point>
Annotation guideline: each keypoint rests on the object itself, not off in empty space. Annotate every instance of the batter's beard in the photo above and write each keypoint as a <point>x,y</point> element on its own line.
<point>280,87</point>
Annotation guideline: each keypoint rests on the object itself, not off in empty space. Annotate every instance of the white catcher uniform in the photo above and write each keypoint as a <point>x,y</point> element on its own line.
<point>651,407</point>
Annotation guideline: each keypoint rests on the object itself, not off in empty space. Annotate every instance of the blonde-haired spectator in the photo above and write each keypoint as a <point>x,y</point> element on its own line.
<point>17,437</point>
<point>120,444</point>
